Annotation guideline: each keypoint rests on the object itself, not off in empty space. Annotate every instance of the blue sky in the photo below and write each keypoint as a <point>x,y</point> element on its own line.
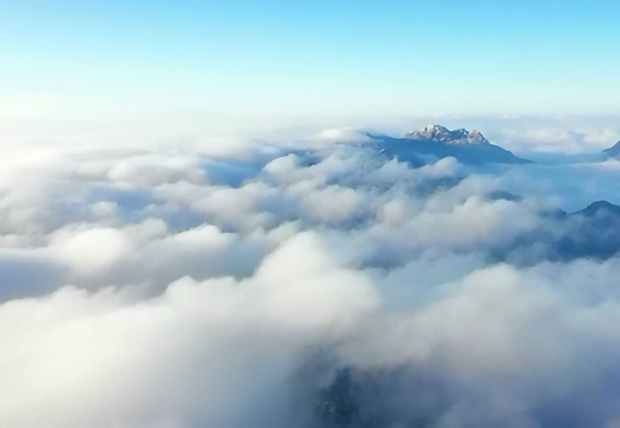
<point>301,58</point>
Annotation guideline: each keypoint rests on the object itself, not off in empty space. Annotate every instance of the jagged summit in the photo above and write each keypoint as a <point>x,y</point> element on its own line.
<point>442,134</point>
<point>433,131</point>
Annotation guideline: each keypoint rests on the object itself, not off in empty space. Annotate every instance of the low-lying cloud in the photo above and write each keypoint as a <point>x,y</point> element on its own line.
<point>311,284</point>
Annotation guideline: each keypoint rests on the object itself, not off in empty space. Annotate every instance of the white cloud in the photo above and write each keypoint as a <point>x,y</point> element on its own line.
<point>183,357</point>
<point>343,135</point>
<point>92,251</point>
<point>160,288</point>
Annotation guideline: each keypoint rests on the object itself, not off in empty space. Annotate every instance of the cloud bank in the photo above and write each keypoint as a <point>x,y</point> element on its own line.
<point>311,284</point>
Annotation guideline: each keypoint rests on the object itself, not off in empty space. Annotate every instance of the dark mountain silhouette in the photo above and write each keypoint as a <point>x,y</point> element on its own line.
<point>599,208</point>
<point>593,233</point>
<point>613,151</point>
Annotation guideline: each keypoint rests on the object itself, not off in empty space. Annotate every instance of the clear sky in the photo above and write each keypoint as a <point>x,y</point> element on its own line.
<point>315,58</point>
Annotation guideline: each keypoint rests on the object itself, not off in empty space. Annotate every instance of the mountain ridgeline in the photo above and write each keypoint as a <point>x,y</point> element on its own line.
<point>591,233</point>
<point>437,142</point>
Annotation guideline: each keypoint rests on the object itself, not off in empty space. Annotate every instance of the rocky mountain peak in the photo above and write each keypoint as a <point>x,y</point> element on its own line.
<point>438,133</point>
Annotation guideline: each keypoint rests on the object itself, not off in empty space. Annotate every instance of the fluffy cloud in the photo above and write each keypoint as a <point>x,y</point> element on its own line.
<point>311,284</point>
<point>560,137</point>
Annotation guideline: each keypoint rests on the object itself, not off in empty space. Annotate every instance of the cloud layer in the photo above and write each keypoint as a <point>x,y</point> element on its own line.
<point>316,284</point>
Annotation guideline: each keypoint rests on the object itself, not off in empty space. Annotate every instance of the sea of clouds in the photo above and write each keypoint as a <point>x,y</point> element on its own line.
<point>309,284</point>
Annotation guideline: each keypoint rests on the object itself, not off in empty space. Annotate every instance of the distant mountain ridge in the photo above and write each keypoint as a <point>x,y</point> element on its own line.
<point>436,141</point>
<point>600,208</point>
<point>593,232</point>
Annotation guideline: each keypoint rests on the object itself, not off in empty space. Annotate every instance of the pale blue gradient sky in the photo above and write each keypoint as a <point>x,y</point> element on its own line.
<point>249,58</point>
